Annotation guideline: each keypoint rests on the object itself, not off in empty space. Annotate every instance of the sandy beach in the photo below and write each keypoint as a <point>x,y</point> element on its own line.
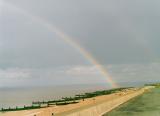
<point>71,108</point>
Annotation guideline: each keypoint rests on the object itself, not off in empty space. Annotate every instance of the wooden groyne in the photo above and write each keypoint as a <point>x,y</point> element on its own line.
<point>102,108</point>
<point>93,106</point>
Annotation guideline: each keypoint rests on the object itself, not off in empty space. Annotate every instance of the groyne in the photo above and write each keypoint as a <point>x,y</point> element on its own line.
<point>102,108</point>
<point>96,106</point>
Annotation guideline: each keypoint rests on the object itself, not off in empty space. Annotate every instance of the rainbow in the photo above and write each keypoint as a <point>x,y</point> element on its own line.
<point>67,39</point>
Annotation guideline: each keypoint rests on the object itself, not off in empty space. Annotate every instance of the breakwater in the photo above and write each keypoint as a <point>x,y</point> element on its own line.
<point>102,108</point>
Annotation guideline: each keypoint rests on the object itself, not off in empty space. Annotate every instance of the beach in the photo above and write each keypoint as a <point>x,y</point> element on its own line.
<point>111,100</point>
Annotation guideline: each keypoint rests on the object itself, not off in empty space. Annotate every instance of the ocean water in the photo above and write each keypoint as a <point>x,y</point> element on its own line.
<point>147,104</point>
<point>20,96</point>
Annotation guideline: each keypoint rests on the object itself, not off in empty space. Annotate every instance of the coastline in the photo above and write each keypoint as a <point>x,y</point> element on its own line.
<point>97,106</point>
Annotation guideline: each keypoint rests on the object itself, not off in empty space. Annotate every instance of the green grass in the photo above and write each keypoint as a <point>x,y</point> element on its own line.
<point>147,104</point>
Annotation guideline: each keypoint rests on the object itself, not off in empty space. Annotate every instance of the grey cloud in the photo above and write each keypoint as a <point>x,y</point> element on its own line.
<point>115,32</point>
<point>78,74</point>
<point>148,72</point>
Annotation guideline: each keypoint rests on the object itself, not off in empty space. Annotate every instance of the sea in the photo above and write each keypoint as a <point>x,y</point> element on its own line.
<point>20,96</point>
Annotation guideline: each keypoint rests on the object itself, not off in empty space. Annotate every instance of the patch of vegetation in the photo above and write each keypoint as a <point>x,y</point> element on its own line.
<point>144,105</point>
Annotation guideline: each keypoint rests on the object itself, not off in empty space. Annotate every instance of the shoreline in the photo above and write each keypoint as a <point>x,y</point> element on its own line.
<point>64,100</point>
<point>89,104</point>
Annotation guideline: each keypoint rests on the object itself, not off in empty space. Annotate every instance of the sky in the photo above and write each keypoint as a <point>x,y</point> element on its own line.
<point>123,36</point>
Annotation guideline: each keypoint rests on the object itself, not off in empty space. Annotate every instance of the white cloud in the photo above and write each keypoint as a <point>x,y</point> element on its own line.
<point>33,73</point>
<point>79,74</point>
<point>14,73</point>
<point>82,70</point>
